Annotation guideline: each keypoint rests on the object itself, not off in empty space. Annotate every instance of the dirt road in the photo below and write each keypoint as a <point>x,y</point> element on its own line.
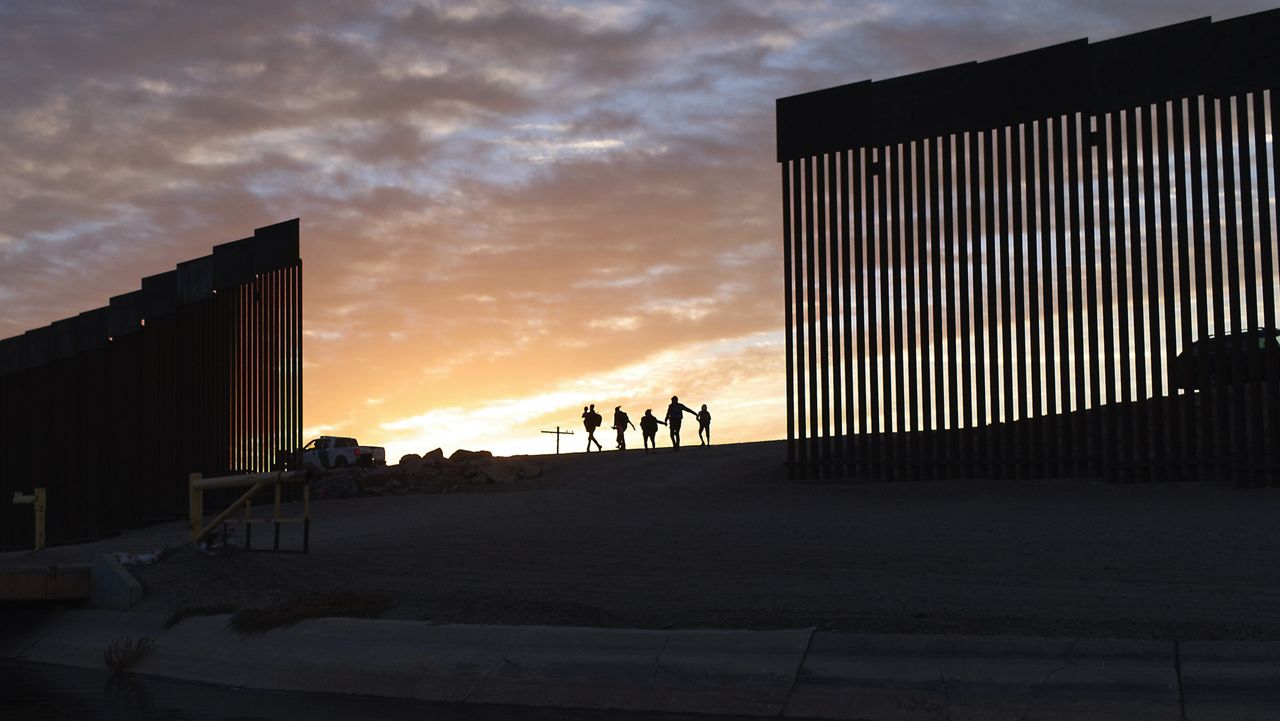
<point>713,537</point>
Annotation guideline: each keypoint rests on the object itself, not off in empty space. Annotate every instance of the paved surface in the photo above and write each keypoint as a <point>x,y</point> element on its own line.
<point>714,538</point>
<point>786,673</point>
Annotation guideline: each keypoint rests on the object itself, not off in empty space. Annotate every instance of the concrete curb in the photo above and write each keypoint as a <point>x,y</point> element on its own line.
<point>792,674</point>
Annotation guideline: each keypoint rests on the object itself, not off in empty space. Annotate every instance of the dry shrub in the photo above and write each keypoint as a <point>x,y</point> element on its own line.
<point>123,653</point>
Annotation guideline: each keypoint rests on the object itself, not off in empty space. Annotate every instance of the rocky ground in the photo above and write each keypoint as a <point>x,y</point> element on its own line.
<point>463,471</point>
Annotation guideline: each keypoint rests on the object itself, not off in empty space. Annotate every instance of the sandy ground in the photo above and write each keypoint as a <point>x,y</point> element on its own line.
<point>714,537</point>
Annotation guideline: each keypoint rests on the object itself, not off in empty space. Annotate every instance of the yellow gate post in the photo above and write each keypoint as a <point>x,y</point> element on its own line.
<point>40,506</point>
<point>196,500</point>
<point>37,499</point>
<point>197,484</point>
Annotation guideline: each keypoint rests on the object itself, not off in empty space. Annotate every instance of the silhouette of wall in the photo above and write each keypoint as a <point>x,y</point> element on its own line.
<point>990,267</point>
<point>198,371</point>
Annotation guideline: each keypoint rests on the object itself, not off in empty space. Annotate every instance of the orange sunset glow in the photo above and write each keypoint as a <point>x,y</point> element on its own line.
<point>508,210</point>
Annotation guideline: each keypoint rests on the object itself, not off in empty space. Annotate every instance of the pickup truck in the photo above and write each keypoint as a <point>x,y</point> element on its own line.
<point>336,452</point>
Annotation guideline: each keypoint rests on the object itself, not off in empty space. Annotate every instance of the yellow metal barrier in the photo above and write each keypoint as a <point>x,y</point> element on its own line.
<point>198,484</point>
<point>38,500</point>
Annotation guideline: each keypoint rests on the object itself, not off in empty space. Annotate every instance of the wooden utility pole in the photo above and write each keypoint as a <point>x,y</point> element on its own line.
<point>559,433</point>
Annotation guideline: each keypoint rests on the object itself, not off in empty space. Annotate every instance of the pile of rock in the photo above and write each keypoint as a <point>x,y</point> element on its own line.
<point>431,473</point>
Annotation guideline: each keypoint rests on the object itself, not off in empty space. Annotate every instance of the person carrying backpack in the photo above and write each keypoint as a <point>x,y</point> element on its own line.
<point>620,423</point>
<point>591,421</point>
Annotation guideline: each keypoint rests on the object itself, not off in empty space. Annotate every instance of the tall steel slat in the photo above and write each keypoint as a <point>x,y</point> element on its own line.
<point>256,356</point>
<point>1023,282</point>
<point>790,332</point>
<point>1172,418</point>
<point>1097,314</point>
<point>1049,160</point>
<point>283,375</point>
<point>242,378</point>
<point>882,420</point>
<point>246,377</point>
<point>228,375</point>
<point>289,443</point>
<point>247,390</point>
<point>298,339</point>
<point>267,332</point>
<point>835,232</point>
<point>910,287</point>
<point>811,313</point>
<point>1037,223</point>
<point>1108,243</point>
<point>925,447</point>
<point>834,306</point>
<point>967,351</point>
<point>982,214</point>
<point>861,263</point>
<point>275,446</point>
<point>1123,430</point>
<point>1133,178</point>
<point>1151,362</point>
<point>237,368</point>
<point>242,370</point>
<point>1134,324</point>
<point>1235,404</point>
<point>277,366</point>
<point>1267,268</point>
<point>950,240</point>
<point>1062,351</point>
<point>250,376</point>
<point>823,314</point>
<point>1005,240</point>
<point>874,355</point>
<point>1214,207</point>
<point>846,243</point>
<point>1186,400</point>
<point>895,320</point>
<point>1078,305</point>
<point>1252,402</point>
<point>265,340</point>
<point>884,339</point>
<point>1217,292</point>
<point>1231,241</point>
<point>1269,280</point>
<point>264,386</point>
<point>282,290</point>
<point>1200,244</point>
<point>1249,255</point>
<point>798,201</point>
<point>936,187</point>
<point>1042,290</point>
<point>236,376</point>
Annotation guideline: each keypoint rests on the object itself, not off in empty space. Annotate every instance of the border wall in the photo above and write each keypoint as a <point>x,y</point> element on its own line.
<point>200,370</point>
<point>1005,268</point>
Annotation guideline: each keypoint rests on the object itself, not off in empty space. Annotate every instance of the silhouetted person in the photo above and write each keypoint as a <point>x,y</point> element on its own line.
<point>704,425</point>
<point>620,423</point>
<point>649,429</point>
<point>591,421</point>
<point>675,415</point>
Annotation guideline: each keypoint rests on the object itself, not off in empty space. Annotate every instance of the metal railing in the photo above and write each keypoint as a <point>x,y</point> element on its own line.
<point>257,482</point>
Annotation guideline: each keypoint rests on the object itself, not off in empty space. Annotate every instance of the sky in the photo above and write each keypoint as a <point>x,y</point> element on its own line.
<point>509,210</point>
